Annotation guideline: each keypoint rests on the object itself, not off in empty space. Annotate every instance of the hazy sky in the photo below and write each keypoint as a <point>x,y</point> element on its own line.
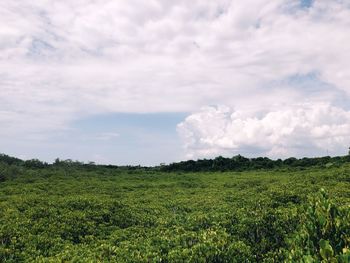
<point>131,81</point>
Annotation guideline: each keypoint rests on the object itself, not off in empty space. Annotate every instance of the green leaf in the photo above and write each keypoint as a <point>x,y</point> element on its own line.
<point>308,259</point>
<point>326,249</point>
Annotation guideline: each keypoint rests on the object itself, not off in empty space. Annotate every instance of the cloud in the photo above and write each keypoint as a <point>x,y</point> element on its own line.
<point>61,61</point>
<point>299,130</point>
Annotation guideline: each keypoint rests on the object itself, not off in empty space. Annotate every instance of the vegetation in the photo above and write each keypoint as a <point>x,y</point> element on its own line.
<point>240,163</point>
<point>277,211</point>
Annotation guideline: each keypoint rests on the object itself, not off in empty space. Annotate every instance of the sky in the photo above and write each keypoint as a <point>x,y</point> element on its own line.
<point>147,82</point>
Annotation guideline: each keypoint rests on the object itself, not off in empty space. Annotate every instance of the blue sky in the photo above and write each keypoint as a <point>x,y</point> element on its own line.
<point>117,138</point>
<point>306,3</point>
<point>130,138</point>
<point>135,82</point>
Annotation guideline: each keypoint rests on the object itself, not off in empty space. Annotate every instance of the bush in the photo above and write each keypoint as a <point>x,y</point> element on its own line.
<point>8,172</point>
<point>324,233</point>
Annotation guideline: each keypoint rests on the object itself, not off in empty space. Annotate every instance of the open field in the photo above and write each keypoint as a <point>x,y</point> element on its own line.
<point>92,214</point>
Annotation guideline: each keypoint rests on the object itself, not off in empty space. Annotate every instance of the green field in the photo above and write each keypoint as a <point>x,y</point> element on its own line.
<point>101,214</point>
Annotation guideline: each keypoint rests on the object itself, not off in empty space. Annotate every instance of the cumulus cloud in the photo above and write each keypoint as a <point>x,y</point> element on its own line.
<point>299,130</point>
<point>63,60</point>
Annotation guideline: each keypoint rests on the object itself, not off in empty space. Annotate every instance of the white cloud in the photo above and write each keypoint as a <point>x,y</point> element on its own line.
<point>63,60</point>
<point>299,130</point>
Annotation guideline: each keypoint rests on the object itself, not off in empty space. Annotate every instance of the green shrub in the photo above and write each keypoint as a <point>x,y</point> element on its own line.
<point>76,213</point>
<point>324,233</point>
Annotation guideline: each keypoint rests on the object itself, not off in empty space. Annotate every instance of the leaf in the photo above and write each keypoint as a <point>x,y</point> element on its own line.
<point>322,219</point>
<point>326,249</point>
<point>308,259</point>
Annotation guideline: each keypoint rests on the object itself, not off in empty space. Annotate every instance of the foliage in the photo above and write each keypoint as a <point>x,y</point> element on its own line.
<point>240,163</point>
<point>75,212</point>
<point>324,235</point>
<point>10,160</point>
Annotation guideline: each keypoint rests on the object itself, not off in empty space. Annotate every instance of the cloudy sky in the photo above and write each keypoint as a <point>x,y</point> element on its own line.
<point>131,81</point>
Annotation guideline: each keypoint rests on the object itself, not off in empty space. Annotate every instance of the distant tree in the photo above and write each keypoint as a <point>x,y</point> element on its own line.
<point>10,160</point>
<point>292,161</point>
<point>57,161</point>
<point>35,163</point>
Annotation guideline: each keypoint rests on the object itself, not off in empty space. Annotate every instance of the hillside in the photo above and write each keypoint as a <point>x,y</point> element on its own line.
<point>74,212</point>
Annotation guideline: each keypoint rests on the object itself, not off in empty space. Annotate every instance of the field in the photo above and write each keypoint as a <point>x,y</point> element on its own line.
<point>101,214</point>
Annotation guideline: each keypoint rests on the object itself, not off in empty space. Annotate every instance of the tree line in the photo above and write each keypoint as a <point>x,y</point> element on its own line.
<point>235,163</point>
<point>241,163</point>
